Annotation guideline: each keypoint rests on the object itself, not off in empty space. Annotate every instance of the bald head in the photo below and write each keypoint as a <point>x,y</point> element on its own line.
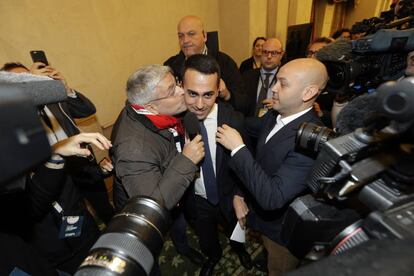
<point>191,19</point>
<point>311,71</point>
<point>272,54</point>
<point>299,82</point>
<point>191,35</point>
<point>275,42</point>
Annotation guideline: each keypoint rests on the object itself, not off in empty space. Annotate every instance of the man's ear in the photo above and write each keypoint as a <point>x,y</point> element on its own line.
<point>205,36</point>
<point>152,108</point>
<point>310,92</point>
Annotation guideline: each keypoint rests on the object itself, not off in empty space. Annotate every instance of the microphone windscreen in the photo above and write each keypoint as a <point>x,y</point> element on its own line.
<point>397,99</point>
<point>355,113</point>
<point>41,90</point>
<point>191,124</point>
<point>339,50</point>
<point>45,92</point>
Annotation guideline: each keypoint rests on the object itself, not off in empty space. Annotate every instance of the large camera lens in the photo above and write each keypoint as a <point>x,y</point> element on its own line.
<point>312,136</point>
<point>132,241</point>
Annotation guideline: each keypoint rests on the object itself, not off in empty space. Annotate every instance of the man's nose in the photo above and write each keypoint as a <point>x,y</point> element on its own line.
<point>199,103</point>
<point>274,88</point>
<point>186,39</point>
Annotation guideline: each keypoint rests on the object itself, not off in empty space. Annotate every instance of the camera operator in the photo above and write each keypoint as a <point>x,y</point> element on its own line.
<point>277,175</point>
<point>26,208</point>
<point>59,118</point>
<point>89,175</point>
<point>84,180</point>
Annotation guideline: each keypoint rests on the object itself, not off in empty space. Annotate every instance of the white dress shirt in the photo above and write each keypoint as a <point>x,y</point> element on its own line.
<point>281,122</point>
<point>210,122</point>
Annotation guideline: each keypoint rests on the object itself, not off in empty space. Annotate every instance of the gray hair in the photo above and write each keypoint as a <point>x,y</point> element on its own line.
<point>141,85</point>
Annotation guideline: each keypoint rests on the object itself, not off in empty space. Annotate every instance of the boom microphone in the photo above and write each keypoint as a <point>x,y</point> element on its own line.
<point>356,112</point>
<point>393,99</point>
<point>339,50</point>
<point>41,90</point>
<point>23,140</point>
<point>191,124</point>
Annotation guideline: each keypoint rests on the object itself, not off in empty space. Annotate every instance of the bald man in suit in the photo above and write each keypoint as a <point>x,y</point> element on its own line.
<point>276,175</point>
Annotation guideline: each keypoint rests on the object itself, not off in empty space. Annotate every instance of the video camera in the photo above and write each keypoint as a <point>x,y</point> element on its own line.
<point>359,66</point>
<point>362,182</point>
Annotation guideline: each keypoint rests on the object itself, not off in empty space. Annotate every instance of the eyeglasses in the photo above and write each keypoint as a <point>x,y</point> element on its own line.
<point>171,93</point>
<point>272,53</point>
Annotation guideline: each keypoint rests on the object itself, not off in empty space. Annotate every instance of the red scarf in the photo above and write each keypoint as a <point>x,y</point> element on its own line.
<point>162,121</point>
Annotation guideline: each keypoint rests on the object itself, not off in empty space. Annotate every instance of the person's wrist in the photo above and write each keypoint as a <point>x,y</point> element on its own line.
<point>71,93</point>
<point>236,149</point>
<point>55,162</point>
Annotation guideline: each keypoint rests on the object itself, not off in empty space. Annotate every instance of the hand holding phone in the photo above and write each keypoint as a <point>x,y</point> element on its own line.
<point>41,67</point>
<point>39,56</point>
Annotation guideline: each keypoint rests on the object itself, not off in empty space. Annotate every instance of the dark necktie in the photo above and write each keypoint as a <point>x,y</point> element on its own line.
<point>209,176</point>
<point>263,93</point>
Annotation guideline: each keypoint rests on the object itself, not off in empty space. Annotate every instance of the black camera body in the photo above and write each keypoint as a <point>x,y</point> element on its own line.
<point>361,65</point>
<point>361,183</point>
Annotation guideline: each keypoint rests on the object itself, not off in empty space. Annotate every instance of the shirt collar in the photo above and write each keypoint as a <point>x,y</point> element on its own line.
<point>292,117</point>
<point>263,72</point>
<point>213,113</point>
<point>205,51</point>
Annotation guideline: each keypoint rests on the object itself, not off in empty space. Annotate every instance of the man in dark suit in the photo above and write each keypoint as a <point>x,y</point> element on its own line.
<point>192,40</point>
<point>215,198</point>
<point>277,174</point>
<point>258,82</point>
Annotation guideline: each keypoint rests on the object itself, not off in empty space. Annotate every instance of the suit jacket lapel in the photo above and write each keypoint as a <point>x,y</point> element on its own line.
<point>251,81</point>
<point>284,133</point>
<point>55,109</point>
<point>254,83</point>
<point>269,123</point>
<point>221,115</point>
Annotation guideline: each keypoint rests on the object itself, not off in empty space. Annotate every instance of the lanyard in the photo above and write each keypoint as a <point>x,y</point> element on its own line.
<point>271,83</point>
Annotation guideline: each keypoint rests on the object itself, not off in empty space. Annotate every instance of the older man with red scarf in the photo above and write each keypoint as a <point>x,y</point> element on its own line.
<point>146,151</point>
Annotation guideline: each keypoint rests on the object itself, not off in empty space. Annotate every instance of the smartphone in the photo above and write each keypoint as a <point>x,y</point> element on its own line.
<point>39,56</point>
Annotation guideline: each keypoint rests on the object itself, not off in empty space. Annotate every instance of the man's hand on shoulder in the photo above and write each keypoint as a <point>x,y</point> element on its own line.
<point>228,137</point>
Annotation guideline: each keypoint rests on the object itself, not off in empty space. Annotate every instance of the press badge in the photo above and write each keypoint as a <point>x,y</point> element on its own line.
<point>71,227</point>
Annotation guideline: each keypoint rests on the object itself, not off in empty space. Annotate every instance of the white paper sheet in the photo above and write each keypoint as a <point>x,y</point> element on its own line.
<point>238,234</point>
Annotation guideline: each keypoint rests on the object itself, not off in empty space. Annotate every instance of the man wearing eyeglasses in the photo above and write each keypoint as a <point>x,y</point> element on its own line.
<point>258,82</point>
<point>146,140</point>
<point>147,151</point>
